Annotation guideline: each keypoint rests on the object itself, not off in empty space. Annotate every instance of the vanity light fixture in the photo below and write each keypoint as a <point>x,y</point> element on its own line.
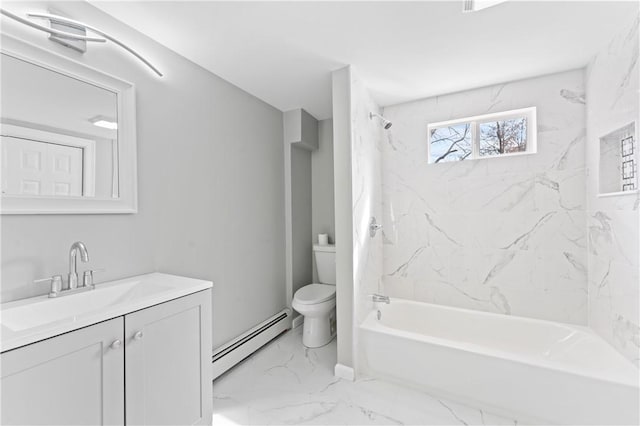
<point>51,31</point>
<point>70,23</point>
<point>476,5</point>
<point>104,122</point>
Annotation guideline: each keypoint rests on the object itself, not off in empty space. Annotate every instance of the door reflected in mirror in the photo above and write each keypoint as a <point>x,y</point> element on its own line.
<point>59,134</point>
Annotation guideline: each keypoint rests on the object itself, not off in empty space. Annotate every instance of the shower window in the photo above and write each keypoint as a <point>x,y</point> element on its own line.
<point>451,143</point>
<point>501,134</point>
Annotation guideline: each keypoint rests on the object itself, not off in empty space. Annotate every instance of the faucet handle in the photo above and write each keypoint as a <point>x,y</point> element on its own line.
<point>56,284</point>
<point>87,277</point>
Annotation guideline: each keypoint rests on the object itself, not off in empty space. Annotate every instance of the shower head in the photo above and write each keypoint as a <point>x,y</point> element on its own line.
<point>385,123</point>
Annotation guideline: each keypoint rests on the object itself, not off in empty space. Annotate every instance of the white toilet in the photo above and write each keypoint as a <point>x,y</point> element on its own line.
<point>317,301</point>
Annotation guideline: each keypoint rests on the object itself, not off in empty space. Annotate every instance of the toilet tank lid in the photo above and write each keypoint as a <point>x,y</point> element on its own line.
<point>331,248</point>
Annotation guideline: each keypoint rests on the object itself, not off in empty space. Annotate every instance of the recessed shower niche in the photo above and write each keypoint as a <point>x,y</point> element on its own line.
<point>619,161</point>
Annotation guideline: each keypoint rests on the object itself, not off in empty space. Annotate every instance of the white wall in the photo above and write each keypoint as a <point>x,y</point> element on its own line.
<point>211,197</point>
<point>341,94</point>
<point>505,235</point>
<point>357,170</point>
<point>366,161</point>
<point>613,222</point>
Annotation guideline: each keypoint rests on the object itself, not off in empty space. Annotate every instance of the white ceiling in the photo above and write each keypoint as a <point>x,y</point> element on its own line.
<point>284,52</point>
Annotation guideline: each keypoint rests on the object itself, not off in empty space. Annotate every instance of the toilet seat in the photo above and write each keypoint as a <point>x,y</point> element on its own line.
<point>312,294</point>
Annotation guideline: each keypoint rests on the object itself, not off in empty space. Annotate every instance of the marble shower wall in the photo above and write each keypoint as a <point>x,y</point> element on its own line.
<point>505,235</point>
<point>613,222</point>
<point>366,171</point>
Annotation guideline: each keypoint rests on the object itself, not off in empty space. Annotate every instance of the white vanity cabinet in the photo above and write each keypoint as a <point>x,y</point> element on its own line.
<point>167,357</point>
<point>74,379</point>
<point>149,366</point>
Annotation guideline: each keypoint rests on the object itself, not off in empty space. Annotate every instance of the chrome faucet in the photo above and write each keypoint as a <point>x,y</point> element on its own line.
<point>76,247</point>
<point>74,286</point>
<point>380,298</point>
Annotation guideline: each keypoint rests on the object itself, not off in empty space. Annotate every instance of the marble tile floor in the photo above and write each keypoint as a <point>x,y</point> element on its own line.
<point>285,383</point>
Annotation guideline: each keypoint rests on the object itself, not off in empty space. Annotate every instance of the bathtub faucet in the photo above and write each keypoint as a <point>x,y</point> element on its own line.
<point>380,298</point>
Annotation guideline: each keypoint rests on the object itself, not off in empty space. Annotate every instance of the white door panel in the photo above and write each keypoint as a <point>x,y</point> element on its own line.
<point>40,168</point>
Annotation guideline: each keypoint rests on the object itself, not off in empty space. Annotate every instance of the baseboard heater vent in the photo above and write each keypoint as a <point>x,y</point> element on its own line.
<point>231,353</point>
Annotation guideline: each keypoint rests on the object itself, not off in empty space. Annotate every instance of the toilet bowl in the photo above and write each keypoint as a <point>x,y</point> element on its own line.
<point>317,301</point>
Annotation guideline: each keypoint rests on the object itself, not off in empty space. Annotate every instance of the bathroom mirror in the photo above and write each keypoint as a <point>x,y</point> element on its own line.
<point>618,172</point>
<point>67,135</point>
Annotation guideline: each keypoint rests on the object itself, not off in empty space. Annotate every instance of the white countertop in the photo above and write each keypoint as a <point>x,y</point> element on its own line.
<point>29,320</point>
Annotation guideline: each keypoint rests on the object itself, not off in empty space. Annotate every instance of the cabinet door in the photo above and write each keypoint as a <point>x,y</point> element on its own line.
<point>76,378</point>
<point>168,362</point>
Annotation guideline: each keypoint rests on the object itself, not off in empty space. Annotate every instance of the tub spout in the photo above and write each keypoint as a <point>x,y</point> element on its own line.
<point>380,298</point>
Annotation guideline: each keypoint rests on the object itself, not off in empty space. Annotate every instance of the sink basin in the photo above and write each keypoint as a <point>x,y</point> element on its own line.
<point>29,320</point>
<point>45,311</point>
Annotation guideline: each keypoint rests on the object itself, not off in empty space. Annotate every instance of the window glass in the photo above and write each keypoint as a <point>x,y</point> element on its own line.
<point>450,143</point>
<point>483,136</point>
<point>503,136</point>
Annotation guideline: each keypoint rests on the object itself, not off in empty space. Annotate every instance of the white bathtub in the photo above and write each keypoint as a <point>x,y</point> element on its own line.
<point>534,370</point>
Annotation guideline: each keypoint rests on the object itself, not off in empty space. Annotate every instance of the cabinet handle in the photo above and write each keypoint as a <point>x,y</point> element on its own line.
<point>139,335</point>
<point>115,344</point>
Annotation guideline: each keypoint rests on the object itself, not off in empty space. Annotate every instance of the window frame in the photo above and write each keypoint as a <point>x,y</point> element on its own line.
<point>529,113</point>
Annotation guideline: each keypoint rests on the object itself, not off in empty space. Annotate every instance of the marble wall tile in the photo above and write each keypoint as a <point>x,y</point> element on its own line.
<point>366,162</point>
<point>613,222</point>
<point>524,235</point>
<point>506,235</point>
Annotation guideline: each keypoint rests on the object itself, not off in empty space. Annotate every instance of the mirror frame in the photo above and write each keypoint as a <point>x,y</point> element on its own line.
<point>127,202</point>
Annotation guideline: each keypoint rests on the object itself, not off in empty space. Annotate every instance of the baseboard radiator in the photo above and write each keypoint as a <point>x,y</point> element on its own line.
<point>231,353</point>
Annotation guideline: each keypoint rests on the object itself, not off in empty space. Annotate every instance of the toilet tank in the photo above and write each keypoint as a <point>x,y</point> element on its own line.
<point>325,263</point>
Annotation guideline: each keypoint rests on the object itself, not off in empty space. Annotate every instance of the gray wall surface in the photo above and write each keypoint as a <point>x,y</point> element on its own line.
<point>310,206</point>
<point>210,181</point>
<point>300,139</point>
<point>301,217</point>
<point>322,182</point>
<point>322,198</point>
